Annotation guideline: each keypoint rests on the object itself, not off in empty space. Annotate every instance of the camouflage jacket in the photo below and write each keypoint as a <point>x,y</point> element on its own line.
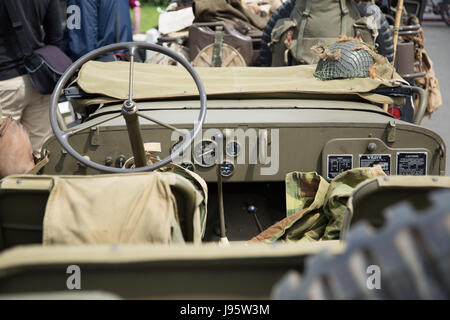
<point>315,208</point>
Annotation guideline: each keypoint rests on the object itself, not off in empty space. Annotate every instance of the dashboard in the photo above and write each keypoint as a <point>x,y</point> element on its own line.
<point>263,140</point>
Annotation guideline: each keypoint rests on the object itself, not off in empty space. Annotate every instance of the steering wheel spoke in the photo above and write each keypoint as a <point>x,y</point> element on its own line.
<point>162,124</point>
<point>92,123</point>
<point>132,51</point>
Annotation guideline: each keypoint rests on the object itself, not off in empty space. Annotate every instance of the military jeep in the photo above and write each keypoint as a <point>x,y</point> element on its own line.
<point>261,124</point>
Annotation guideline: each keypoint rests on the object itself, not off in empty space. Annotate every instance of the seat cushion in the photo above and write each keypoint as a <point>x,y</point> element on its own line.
<point>135,208</point>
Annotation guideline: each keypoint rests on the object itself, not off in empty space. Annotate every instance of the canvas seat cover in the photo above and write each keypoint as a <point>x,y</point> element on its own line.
<point>109,209</point>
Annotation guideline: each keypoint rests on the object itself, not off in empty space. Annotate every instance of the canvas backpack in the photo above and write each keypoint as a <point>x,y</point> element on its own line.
<point>315,22</point>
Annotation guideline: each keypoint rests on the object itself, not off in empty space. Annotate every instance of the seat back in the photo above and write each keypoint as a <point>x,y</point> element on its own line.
<point>22,208</point>
<point>23,202</point>
<point>154,271</point>
<point>372,197</point>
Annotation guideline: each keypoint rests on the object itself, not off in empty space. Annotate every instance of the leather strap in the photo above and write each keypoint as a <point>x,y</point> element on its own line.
<point>217,50</point>
<point>39,165</point>
<point>344,17</point>
<point>301,30</point>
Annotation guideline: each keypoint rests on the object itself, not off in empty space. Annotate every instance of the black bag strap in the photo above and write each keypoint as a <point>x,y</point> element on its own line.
<point>19,28</point>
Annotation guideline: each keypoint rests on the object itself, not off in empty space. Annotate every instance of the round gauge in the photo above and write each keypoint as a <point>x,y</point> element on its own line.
<point>233,148</point>
<point>226,169</point>
<point>188,166</point>
<point>176,146</point>
<point>205,153</point>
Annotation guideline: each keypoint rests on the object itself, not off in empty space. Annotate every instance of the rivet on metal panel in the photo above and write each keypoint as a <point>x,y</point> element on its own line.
<point>372,147</point>
<point>95,138</point>
<point>391,131</point>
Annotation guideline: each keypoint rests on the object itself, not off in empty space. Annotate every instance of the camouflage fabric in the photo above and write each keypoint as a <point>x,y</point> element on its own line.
<point>339,192</point>
<point>315,208</point>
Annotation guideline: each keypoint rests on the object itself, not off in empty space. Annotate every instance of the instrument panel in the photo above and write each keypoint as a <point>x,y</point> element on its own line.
<point>270,144</point>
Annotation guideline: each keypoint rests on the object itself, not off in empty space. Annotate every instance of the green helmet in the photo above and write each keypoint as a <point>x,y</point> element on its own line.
<point>344,59</point>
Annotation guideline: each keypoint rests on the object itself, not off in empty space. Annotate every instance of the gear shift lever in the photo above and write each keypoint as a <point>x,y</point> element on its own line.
<point>223,233</point>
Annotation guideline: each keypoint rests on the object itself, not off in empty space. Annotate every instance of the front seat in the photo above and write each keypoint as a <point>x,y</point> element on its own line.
<point>75,210</point>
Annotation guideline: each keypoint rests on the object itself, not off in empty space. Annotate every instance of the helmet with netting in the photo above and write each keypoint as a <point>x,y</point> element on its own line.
<point>348,60</point>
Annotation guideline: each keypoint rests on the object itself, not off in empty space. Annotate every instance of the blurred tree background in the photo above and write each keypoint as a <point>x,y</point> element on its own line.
<point>150,13</point>
<point>163,3</point>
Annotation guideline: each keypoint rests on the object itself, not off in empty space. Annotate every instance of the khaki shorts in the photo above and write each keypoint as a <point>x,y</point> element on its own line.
<point>20,100</point>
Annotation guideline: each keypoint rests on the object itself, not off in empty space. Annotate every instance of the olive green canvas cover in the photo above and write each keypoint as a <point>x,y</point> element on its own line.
<point>315,208</point>
<point>126,208</point>
<point>110,209</point>
<point>110,80</point>
<point>187,272</point>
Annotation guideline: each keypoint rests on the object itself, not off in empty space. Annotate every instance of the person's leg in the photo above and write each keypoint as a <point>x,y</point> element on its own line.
<point>36,118</point>
<point>15,147</point>
<point>16,155</point>
<point>13,97</point>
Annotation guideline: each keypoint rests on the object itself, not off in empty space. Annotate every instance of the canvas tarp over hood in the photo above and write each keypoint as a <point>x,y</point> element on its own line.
<point>110,80</point>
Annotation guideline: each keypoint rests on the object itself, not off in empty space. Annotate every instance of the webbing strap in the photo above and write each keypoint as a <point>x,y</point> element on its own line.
<point>301,30</point>
<point>217,51</point>
<point>344,17</point>
<point>39,165</point>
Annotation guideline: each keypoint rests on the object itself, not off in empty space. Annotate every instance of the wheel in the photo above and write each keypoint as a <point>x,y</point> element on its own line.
<point>445,12</point>
<point>408,259</point>
<point>130,110</point>
<point>230,57</point>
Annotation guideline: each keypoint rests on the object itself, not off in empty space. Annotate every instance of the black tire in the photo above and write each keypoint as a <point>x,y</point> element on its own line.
<point>412,253</point>
<point>284,11</point>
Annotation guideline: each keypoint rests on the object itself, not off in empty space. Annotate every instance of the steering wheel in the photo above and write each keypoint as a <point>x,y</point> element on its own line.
<point>130,111</point>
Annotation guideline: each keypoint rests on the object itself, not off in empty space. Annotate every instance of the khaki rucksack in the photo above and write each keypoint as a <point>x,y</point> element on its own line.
<point>315,22</point>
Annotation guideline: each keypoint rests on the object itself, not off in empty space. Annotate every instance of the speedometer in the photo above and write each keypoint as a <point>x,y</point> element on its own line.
<point>205,153</point>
